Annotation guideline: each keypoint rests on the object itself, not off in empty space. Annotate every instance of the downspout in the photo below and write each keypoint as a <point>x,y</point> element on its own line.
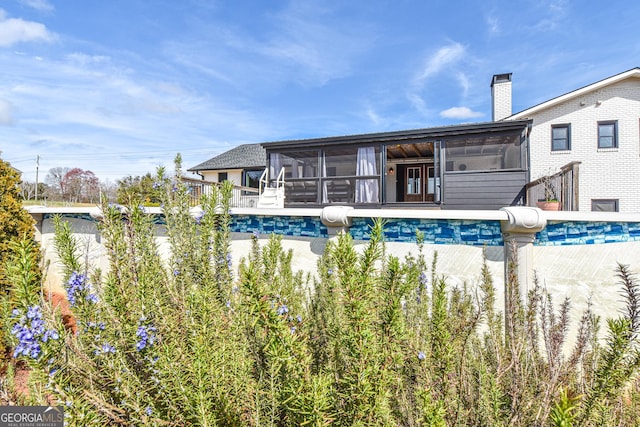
<point>527,152</point>
<point>438,162</point>
<point>383,175</point>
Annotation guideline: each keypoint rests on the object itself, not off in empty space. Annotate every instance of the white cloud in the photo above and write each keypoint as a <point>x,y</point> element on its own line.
<point>464,82</point>
<point>373,116</point>
<point>84,60</point>
<point>14,31</point>
<point>460,113</point>
<point>6,118</point>
<point>90,107</point>
<point>554,13</point>
<point>418,103</point>
<point>444,57</point>
<point>494,24</point>
<point>41,5</point>
<point>314,39</point>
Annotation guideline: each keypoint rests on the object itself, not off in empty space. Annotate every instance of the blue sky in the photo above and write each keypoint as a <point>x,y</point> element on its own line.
<point>119,87</point>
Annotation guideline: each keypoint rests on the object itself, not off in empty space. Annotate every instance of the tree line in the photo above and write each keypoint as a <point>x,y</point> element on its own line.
<point>75,185</point>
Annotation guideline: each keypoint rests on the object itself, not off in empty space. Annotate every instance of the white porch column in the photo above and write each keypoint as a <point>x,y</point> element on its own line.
<point>518,234</point>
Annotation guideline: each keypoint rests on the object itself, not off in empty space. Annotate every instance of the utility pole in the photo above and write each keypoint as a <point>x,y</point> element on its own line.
<point>37,167</point>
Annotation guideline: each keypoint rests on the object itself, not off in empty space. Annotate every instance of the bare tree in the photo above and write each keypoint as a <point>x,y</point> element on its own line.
<point>55,179</point>
<point>108,190</point>
<point>27,190</point>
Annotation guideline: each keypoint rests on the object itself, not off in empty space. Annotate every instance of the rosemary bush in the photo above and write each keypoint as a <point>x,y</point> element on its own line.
<point>371,339</point>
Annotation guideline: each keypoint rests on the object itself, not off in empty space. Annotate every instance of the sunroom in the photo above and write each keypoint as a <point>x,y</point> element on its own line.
<point>474,166</point>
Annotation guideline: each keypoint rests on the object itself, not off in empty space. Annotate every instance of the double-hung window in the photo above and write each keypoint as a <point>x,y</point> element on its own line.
<point>608,134</point>
<point>561,137</point>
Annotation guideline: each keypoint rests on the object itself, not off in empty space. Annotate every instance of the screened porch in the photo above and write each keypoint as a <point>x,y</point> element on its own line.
<point>476,166</point>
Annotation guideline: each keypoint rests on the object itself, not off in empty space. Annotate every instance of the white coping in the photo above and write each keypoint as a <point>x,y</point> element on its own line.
<point>487,215</point>
<point>429,214</point>
<point>591,216</point>
<point>315,212</point>
<point>60,210</point>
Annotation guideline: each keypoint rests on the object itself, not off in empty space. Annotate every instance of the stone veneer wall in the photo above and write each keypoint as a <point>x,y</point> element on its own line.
<point>435,231</point>
<point>446,231</point>
<point>587,233</point>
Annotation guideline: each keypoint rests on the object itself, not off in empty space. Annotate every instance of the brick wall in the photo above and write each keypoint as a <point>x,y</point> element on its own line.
<point>501,98</point>
<point>604,173</point>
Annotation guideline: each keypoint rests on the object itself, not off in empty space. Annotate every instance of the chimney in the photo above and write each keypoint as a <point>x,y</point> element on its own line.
<point>500,96</point>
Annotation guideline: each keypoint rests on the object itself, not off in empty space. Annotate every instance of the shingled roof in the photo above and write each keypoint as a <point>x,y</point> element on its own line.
<point>245,156</point>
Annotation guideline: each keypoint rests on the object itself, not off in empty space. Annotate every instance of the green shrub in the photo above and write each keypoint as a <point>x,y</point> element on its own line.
<point>18,251</point>
<point>370,340</point>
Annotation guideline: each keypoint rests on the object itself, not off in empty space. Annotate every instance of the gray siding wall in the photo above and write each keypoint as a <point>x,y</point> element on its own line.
<point>483,190</point>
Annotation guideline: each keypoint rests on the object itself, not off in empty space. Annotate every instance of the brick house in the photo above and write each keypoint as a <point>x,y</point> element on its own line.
<point>597,127</point>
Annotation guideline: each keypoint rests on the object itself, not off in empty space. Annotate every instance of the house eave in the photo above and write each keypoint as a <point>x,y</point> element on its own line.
<point>632,73</point>
<point>400,136</point>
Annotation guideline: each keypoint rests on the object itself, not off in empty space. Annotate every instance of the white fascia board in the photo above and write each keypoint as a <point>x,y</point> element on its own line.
<point>635,72</point>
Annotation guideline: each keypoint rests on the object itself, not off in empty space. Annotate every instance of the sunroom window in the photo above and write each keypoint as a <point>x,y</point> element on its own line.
<point>343,167</point>
<point>484,153</point>
<point>296,164</point>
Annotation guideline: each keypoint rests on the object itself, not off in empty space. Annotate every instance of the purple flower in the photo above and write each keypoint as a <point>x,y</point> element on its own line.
<point>283,309</point>
<point>421,355</point>
<point>79,288</point>
<point>148,410</point>
<point>423,279</point>
<point>105,348</point>
<point>226,260</point>
<point>199,217</point>
<point>99,325</point>
<point>30,331</point>
<point>146,335</point>
<point>33,312</point>
<point>50,334</point>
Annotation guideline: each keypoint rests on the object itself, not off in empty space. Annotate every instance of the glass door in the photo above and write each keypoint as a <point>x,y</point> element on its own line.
<point>431,183</point>
<point>413,179</point>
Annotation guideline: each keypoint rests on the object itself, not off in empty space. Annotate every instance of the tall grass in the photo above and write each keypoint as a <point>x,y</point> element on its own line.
<point>370,339</point>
